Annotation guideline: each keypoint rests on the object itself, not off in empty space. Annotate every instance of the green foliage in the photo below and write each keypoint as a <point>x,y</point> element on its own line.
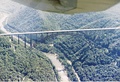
<point>92,54</point>
<point>19,63</point>
<point>44,47</point>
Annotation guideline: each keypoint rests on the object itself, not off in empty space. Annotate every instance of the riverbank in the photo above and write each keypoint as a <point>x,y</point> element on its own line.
<point>59,67</point>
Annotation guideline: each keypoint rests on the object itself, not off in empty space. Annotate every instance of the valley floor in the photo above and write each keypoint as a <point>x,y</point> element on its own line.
<point>59,67</point>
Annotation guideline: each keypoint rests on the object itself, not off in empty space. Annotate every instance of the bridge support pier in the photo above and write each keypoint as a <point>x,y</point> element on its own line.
<point>25,41</point>
<point>11,37</point>
<point>30,40</point>
<point>42,38</point>
<point>18,39</point>
<point>36,39</point>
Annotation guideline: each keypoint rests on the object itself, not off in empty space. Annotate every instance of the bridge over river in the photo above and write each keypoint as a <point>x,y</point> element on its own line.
<point>52,32</point>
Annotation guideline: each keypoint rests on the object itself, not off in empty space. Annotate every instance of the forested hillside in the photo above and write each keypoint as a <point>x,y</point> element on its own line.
<point>35,21</point>
<point>20,64</point>
<point>95,55</point>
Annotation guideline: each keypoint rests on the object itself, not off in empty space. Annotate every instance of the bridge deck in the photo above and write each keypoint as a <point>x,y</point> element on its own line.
<point>60,31</point>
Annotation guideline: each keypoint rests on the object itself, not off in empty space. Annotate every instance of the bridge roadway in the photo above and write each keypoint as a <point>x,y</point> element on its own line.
<point>60,31</point>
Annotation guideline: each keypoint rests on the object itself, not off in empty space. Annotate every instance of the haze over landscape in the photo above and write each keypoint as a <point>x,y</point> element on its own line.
<point>74,56</point>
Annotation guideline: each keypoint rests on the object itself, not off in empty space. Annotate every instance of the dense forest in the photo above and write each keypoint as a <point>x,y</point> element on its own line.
<point>95,55</point>
<point>23,64</point>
